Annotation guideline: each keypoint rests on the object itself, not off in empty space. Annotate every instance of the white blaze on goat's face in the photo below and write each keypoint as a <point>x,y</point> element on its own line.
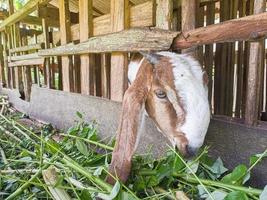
<point>178,99</point>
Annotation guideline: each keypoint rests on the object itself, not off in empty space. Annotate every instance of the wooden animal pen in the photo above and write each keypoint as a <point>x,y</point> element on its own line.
<point>83,46</point>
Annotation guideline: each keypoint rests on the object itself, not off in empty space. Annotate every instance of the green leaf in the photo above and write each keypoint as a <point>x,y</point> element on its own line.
<point>263,195</point>
<point>218,168</point>
<point>85,195</point>
<point>193,166</point>
<point>237,176</point>
<point>81,146</point>
<point>236,195</point>
<point>114,192</point>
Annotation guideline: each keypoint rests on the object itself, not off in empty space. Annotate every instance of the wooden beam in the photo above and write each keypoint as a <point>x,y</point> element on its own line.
<point>27,48</point>
<point>23,57</point>
<point>29,7</point>
<point>249,28</point>
<point>86,24</point>
<point>131,40</point>
<point>37,61</point>
<point>65,37</point>
<point>52,14</point>
<point>119,13</point>
<point>254,74</point>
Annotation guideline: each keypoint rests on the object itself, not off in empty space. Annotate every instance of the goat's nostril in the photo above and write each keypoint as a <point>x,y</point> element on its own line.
<point>191,151</point>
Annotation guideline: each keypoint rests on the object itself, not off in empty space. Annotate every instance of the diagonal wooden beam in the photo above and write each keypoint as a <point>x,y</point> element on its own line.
<point>29,7</point>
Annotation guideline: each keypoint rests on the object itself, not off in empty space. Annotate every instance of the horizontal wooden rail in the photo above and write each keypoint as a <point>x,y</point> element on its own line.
<point>242,29</point>
<point>27,48</point>
<point>23,57</point>
<point>147,39</point>
<point>136,39</point>
<point>36,61</point>
<point>29,7</point>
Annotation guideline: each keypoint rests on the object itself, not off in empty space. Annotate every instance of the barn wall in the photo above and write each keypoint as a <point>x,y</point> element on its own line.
<point>233,142</point>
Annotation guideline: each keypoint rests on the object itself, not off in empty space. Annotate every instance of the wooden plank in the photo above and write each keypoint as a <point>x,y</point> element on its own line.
<point>141,15</point>
<point>32,20</point>
<point>2,69</point>
<point>26,75</point>
<point>189,21</point>
<point>27,48</point>
<point>29,7</point>
<point>208,56</point>
<point>37,61</point>
<point>105,75</point>
<point>119,13</point>
<point>86,24</point>
<point>65,37</point>
<point>254,74</point>
<point>164,14</point>
<point>47,66</point>
<point>240,66</point>
<point>24,57</point>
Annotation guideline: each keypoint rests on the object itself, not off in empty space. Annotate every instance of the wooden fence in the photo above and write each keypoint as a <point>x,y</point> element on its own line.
<point>83,46</point>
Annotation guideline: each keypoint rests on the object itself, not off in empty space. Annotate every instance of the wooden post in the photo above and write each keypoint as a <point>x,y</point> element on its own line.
<point>119,14</point>
<point>164,14</point>
<point>87,61</point>
<point>2,67</point>
<point>47,66</point>
<point>105,75</point>
<point>189,21</point>
<point>254,74</point>
<point>208,57</point>
<point>26,75</point>
<point>65,37</point>
<point>5,57</point>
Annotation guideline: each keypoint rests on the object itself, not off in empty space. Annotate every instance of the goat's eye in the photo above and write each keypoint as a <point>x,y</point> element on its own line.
<point>160,94</point>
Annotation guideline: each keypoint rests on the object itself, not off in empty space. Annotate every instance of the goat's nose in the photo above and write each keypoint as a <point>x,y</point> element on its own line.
<point>191,151</point>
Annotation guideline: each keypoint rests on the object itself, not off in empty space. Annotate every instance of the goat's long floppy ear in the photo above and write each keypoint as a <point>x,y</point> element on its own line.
<point>132,107</point>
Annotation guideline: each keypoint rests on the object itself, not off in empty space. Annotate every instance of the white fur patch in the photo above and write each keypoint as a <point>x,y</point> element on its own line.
<point>133,69</point>
<point>193,93</point>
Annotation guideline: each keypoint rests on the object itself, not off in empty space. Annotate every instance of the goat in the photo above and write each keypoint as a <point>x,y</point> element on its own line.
<point>172,89</point>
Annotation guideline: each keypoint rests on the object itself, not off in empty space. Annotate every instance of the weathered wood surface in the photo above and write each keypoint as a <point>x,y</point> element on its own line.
<point>36,61</point>
<point>86,24</point>
<point>189,21</point>
<point>27,48</point>
<point>141,39</point>
<point>245,28</point>
<point>254,74</point>
<point>65,37</point>
<point>140,16</point>
<point>120,20</point>
<point>147,39</point>
<point>29,7</point>
<point>23,57</point>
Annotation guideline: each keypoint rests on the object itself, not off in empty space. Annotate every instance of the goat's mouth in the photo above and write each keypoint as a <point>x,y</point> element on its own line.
<point>181,144</point>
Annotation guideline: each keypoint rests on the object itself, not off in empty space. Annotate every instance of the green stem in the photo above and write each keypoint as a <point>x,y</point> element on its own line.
<point>247,190</point>
<point>89,141</point>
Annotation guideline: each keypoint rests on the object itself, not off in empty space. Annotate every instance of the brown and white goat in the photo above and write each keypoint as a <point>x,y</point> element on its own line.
<point>172,89</point>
